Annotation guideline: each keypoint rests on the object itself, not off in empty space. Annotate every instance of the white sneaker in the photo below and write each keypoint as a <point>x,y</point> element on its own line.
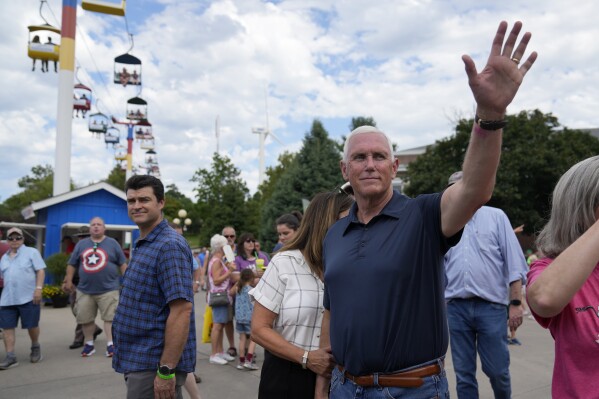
<point>226,357</point>
<point>239,366</point>
<point>217,360</point>
<point>250,366</point>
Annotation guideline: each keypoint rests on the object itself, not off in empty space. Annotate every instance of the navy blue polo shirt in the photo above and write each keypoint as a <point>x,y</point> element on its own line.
<point>384,284</point>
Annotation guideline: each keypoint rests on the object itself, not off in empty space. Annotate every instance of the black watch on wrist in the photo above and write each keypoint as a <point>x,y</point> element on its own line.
<point>166,370</point>
<point>515,302</point>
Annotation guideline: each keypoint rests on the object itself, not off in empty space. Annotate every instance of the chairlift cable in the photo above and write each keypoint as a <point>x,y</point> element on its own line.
<point>51,12</point>
<point>42,15</point>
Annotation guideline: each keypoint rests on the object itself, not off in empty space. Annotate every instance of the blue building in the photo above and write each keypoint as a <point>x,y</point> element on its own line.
<point>64,214</point>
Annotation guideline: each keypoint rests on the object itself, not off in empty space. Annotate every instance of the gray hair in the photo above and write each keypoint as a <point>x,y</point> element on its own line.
<point>217,242</point>
<point>361,130</point>
<point>574,202</point>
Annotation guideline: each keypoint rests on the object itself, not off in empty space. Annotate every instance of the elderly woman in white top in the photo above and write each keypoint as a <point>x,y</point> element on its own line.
<point>289,308</point>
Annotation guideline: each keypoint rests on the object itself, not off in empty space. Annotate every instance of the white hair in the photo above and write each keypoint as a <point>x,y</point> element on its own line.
<point>361,130</point>
<point>217,242</point>
<point>575,200</point>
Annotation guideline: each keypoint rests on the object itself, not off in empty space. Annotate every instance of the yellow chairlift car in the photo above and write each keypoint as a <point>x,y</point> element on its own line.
<point>44,45</point>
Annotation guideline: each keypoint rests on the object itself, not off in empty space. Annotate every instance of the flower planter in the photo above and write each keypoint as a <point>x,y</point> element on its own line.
<point>60,301</point>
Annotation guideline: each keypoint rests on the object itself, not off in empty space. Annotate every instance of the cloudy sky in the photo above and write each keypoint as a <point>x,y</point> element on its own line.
<point>398,61</point>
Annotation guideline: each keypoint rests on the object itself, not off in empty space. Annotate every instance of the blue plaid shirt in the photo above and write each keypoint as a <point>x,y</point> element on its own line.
<point>160,271</point>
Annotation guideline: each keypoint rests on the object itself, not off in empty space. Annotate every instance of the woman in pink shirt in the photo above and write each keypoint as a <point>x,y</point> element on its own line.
<point>563,286</point>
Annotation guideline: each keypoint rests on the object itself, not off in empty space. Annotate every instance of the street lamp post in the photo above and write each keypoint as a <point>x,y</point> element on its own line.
<point>182,220</point>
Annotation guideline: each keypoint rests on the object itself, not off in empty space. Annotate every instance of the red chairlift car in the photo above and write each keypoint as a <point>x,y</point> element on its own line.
<point>82,99</point>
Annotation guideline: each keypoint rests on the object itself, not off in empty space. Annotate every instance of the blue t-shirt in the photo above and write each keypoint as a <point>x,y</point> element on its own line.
<point>98,265</point>
<point>384,286</point>
<point>159,272</point>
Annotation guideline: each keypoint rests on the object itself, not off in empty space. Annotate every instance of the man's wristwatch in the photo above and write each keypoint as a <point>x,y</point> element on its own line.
<point>515,302</point>
<point>165,372</point>
<point>490,125</point>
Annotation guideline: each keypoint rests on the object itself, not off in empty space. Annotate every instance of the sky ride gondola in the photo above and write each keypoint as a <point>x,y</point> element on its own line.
<point>147,144</point>
<point>137,109</point>
<point>143,130</point>
<point>82,99</point>
<point>104,7</point>
<point>127,70</point>
<point>112,136</point>
<point>151,158</point>
<point>120,152</point>
<point>98,123</point>
<point>44,43</point>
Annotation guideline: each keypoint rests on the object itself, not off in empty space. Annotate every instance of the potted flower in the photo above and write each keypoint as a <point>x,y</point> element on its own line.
<point>54,292</point>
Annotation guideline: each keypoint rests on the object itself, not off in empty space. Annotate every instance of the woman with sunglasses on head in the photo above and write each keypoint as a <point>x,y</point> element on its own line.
<point>289,307</point>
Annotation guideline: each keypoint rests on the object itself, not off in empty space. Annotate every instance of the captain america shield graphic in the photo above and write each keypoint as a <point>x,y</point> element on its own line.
<point>94,261</point>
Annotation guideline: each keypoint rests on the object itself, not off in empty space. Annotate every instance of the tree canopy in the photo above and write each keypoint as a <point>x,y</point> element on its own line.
<point>221,197</point>
<point>315,168</point>
<point>36,186</point>
<point>536,151</point>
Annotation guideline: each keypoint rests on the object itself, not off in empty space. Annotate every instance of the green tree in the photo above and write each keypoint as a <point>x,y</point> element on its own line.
<point>36,186</point>
<point>117,177</point>
<point>536,151</point>
<point>315,168</point>
<point>221,198</point>
<point>265,191</point>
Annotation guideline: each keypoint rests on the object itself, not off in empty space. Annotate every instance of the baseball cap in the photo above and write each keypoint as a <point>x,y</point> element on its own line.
<point>454,178</point>
<point>14,230</point>
<point>83,231</point>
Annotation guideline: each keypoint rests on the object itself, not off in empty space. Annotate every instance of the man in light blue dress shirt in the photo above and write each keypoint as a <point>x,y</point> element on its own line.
<point>22,268</point>
<point>485,272</point>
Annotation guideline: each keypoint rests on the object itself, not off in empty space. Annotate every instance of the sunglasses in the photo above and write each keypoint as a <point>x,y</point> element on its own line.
<point>346,188</point>
<point>250,240</point>
<point>226,236</point>
<point>95,246</point>
<point>15,238</point>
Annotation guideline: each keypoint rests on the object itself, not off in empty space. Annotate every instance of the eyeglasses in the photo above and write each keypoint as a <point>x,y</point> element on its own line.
<point>250,240</point>
<point>95,246</point>
<point>15,238</point>
<point>233,236</point>
<point>346,188</point>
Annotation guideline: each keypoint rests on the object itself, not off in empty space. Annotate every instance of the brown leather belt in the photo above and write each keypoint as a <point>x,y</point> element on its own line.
<point>405,379</point>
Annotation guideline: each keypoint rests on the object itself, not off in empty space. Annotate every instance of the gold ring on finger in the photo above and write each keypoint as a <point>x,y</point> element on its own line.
<point>516,60</point>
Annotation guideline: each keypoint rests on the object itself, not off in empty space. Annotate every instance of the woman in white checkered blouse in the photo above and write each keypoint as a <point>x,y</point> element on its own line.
<point>289,307</point>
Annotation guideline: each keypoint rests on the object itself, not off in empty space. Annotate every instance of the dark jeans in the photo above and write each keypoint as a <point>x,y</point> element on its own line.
<point>476,325</point>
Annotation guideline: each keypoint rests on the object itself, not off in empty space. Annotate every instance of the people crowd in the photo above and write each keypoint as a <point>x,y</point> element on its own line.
<point>361,294</point>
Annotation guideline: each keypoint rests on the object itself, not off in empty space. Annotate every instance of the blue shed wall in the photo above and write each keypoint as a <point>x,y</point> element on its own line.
<point>81,210</point>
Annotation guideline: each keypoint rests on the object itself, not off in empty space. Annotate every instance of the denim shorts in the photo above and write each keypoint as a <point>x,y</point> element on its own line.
<point>28,312</point>
<point>220,314</point>
<point>243,328</point>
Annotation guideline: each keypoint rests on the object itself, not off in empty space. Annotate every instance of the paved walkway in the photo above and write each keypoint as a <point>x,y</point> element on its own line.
<point>65,374</point>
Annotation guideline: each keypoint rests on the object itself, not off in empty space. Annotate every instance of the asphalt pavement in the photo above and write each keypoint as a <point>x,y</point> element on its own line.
<point>63,373</point>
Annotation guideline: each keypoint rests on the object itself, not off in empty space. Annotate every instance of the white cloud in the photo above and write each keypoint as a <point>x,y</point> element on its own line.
<point>397,61</point>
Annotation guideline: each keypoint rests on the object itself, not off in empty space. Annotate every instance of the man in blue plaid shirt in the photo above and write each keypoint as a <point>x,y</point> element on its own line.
<point>154,328</point>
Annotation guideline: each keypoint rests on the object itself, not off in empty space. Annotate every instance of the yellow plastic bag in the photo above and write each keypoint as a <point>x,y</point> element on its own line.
<point>207,329</point>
